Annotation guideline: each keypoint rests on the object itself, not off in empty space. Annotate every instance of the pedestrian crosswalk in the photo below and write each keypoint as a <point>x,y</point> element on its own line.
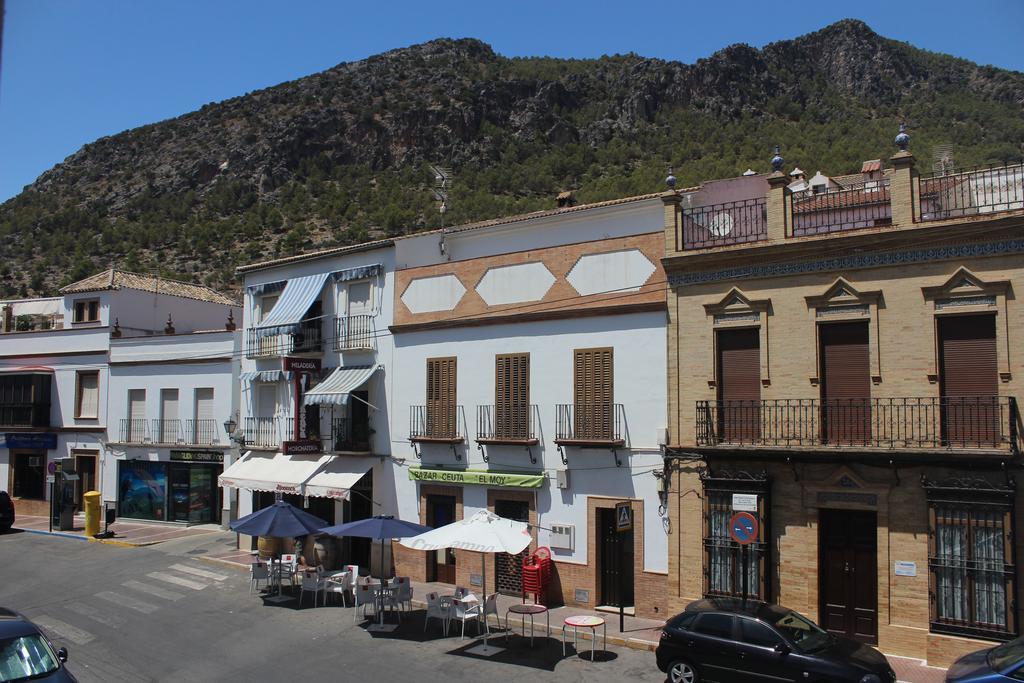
<point>78,621</point>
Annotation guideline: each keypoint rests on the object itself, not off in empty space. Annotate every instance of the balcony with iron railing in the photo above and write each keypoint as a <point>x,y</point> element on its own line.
<point>507,424</point>
<point>972,192</point>
<point>354,333</point>
<point>267,432</point>
<point>974,424</point>
<point>435,423</point>
<point>866,205</point>
<point>202,432</point>
<point>135,430</point>
<point>349,436</point>
<point>307,340</point>
<point>590,424</point>
<point>728,223</point>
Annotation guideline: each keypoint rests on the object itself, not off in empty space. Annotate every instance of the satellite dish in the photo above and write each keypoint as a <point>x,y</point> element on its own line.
<point>720,224</point>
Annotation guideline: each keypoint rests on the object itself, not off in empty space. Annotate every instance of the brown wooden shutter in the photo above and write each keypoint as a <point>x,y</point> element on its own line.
<point>969,379</point>
<point>594,393</point>
<point>739,384</point>
<point>512,396</point>
<point>441,397</point>
<point>845,382</point>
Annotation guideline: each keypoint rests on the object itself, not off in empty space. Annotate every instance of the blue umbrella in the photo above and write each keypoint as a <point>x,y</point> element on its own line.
<point>380,527</point>
<point>280,520</point>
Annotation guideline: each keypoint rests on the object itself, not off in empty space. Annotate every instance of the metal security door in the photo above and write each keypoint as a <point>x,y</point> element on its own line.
<point>616,557</point>
<point>508,569</point>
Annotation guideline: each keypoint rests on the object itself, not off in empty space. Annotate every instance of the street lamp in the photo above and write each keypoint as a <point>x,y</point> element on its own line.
<point>236,435</point>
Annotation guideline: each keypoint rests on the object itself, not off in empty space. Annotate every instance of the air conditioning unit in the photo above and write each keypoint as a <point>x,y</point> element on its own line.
<point>563,536</point>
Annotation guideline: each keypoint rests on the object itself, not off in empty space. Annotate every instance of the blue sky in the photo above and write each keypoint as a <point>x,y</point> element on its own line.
<point>74,71</point>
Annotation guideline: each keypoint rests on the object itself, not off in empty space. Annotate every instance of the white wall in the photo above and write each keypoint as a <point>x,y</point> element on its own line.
<point>146,311</point>
<point>639,343</point>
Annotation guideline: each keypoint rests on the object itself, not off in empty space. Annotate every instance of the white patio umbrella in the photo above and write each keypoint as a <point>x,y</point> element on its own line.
<point>484,532</point>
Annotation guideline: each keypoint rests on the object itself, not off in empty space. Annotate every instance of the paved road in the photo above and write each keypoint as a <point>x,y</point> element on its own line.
<point>162,614</point>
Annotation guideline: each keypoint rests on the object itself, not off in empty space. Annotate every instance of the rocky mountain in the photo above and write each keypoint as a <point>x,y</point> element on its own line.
<point>342,156</point>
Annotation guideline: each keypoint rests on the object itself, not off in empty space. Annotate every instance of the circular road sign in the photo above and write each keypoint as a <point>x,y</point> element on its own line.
<point>51,467</point>
<point>743,528</point>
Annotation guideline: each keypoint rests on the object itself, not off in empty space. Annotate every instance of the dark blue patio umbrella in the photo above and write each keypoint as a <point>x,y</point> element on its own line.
<point>280,520</point>
<point>380,528</point>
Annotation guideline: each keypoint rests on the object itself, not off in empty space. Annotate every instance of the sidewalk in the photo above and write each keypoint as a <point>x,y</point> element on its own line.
<point>125,533</point>
<point>639,634</point>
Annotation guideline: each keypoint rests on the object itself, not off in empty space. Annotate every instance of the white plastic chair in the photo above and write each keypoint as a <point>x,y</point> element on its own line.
<point>491,607</point>
<point>258,572</point>
<point>389,600</point>
<point>312,583</point>
<point>465,610</point>
<point>437,608</point>
<point>364,595</point>
<point>403,592</point>
<point>340,583</point>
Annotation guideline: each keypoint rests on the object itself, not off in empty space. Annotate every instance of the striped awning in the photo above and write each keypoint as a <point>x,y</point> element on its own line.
<point>298,295</point>
<point>264,376</point>
<point>339,384</point>
<point>336,478</point>
<point>259,471</point>
<point>357,273</point>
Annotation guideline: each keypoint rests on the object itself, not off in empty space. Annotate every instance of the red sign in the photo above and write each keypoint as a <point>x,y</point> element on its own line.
<point>290,364</point>
<point>744,528</point>
<point>301,446</point>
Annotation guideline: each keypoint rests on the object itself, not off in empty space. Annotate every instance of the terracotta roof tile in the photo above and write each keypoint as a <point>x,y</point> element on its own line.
<point>122,279</point>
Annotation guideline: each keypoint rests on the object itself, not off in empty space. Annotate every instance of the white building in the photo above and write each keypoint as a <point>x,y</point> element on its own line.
<point>168,399</point>
<point>530,380</point>
<point>315,385</point>
<point>55,377</point>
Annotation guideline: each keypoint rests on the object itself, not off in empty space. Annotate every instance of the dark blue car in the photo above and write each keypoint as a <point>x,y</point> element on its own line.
<point>995,665</point>
<point>27,655</point>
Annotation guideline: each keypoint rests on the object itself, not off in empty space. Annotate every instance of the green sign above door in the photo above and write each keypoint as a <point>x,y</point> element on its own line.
<point>531,481</point>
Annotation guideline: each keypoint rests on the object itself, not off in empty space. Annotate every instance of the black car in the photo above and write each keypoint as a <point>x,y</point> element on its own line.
<point>727,641</point>
<point>6,512</point>
<point>26,654</point>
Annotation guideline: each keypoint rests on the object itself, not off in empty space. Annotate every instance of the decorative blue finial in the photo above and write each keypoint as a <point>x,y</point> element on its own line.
<point>903,138</point>
<point>670,181</point>
<point>777,161</point>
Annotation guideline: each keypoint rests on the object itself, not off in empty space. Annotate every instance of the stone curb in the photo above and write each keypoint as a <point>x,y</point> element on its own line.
<point>83,537</point>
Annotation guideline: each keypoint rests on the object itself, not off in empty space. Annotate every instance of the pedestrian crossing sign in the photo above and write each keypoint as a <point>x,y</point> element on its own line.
<point>623,517</point>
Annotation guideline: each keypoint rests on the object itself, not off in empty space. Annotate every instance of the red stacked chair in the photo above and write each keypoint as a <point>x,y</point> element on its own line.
<point>537,574</point>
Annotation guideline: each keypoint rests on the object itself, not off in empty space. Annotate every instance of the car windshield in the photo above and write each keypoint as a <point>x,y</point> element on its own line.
<point>1006,655</point>
<point>26,657</point>
<point>805,635</point>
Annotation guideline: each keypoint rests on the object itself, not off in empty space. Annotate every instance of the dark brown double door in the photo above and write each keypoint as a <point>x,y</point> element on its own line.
<point>848,573</point>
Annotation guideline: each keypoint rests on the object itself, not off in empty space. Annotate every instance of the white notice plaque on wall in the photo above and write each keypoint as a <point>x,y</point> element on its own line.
<point>744,502</point>
<point>905,569</point>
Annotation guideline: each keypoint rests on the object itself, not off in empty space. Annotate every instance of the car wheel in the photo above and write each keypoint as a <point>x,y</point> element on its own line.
<point>681,671</point>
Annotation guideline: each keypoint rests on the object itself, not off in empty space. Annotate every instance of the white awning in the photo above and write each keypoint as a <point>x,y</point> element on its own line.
<point>37,306</point>
<point>272,471</point>
<point>339,384</point>
<point>338,477</point>
<point>265,375</point>
<point>298,295</point>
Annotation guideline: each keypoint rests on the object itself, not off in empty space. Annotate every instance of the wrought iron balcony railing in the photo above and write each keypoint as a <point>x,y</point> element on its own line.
<point>435,423</point>
<point>354,333</point>
<point>589,424</point>
<point>135,430</point>
<point>349,435</point>
<point>981,190</point>
<point>717,225</point>
<point>976,422</point>
<point>204,432</point>
<point>851,208</point>
<point>267,432</point>
<point>308,339</point>
<point>513,424</point>
<point>167,431</point>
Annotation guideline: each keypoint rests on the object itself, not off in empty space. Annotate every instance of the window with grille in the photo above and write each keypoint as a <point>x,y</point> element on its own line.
<point>512,396</point>
<point>441,404</point>
<point>594,392</point>
<point>971,565</point>
<point>723,557</point>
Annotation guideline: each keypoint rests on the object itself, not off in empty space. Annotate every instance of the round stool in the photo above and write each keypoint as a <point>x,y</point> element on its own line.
<point>585,621</point>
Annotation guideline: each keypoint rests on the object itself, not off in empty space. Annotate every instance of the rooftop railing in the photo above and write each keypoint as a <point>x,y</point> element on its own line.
<point>981,190</point>
<point>866,205</point>
<point>723,224</point>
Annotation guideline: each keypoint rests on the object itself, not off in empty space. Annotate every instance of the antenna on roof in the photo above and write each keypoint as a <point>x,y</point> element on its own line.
<point>943,159</point>
<point>443,178</point>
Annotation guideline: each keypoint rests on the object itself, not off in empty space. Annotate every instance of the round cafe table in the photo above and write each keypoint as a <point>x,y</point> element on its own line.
<point>585,621</point>
<point>524,610</point>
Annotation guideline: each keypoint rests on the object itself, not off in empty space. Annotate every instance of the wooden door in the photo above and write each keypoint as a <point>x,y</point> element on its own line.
<point>440,563</point>
<point>845,383</point>
<point>616,558</point>
<point>508,569</point>
<point>441,397</point>
<point>969,380</point>
<point>85,466</point>
<point>594,394</point>
<point>848,573</point>
<point>739,385</point>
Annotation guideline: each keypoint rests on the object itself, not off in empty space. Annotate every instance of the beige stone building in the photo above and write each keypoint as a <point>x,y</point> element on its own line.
<point>850,353</point>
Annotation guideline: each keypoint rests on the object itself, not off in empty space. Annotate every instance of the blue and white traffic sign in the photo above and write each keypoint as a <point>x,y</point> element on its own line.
<point>744,528</point>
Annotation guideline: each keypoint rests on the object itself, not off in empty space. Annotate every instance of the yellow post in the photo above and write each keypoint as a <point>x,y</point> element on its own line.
<point>92,513</point>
